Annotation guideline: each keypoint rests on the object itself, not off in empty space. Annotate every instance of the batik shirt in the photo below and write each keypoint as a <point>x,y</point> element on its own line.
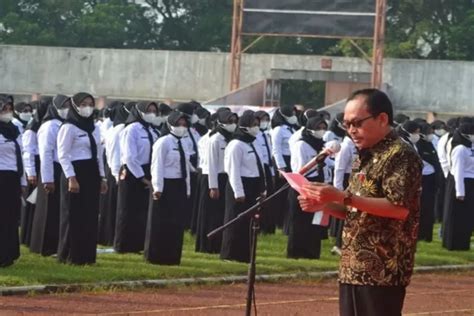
<point>380,251</point>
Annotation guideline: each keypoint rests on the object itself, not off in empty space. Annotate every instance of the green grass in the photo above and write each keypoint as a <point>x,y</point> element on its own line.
<point>34,269</point>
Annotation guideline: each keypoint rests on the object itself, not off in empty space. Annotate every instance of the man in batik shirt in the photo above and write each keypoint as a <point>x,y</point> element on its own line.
<point>381,210</point>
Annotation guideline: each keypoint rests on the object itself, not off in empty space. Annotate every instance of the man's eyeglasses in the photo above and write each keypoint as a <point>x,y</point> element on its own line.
<point>356,123</point>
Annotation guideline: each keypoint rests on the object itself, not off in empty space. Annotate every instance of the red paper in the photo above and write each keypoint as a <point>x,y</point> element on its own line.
<point>296,181</point>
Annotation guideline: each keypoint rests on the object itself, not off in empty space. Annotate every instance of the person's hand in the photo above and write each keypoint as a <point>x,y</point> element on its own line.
<point>240,199</point>
<point>32,180</point>
<point>214,194</point>
<point>156,196</point>
<point>309,205</point>
<point>49,187</point>
<point>460,198</point>
<point>73,185</point>
<point>147,183</point>
<point>323,193</point>
<point>103,187</point>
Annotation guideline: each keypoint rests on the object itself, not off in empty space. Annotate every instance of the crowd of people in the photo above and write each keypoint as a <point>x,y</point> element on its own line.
<point>136,175</point>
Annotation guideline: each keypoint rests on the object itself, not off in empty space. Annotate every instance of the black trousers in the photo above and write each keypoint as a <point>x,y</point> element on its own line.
<point>367,300</point>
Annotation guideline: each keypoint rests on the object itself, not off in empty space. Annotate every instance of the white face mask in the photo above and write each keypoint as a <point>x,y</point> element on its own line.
<point>157,121</point>
<point>414,138</point>
<point>86,111</point>
<point>6,117</point>
<point>440,132</point>
<point>318,134</point>
<point>429,137</point>
<point>26,116</point>
<point>194,119</point>
<point>149,117</point>
<point>253,130</point>
<point>229,127</point>
<point>178,131</point>
<point>264,125</point>
<point>292,120</point>
<point>63,113</point>
<point>202,122</point>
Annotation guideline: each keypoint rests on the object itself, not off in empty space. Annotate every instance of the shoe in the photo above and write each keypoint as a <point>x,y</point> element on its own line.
<point>336,251</point>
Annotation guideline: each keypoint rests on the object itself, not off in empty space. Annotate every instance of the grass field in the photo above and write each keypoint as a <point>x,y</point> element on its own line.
<point>34,269</point>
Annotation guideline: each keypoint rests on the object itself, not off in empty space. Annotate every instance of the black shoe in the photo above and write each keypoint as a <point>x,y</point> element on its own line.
<point>6,264</point>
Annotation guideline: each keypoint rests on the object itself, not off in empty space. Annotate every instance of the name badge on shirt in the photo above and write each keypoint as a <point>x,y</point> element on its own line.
<point>82,135</point>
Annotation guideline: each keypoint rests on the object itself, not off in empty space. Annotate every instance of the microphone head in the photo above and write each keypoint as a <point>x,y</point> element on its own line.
<point>333,146</point>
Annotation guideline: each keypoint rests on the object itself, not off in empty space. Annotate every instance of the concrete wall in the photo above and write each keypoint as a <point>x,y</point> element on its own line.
<point>441,86</point>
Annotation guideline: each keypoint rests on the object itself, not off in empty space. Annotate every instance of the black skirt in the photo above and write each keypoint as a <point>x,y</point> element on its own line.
<point>108,211</point>
<point>427,212</point>
<point>28,211</point>
<point>10,196</point>
<point>304,238</point>
<point>281,201</point>
<point>79,215</point>
<point>267,214</point>
<point>193,178</point>
<point>45,231</point>
<point>236,238</point>
<point>459,217</point>
<point>196,202</point>
<point>211,215</point>
<point>165,225</point>
<point>439,198</point>
<point>132,209</point>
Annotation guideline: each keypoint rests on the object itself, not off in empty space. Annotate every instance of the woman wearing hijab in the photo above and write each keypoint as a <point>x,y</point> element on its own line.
<point>213,184</point>
<point>459,202</point>
<point>304,238</point>
<point>45,229</point>
<point>11,181</point>
<point>283,126</point>
<point>164,111</point>
<point>22,115</point>
<point>410,133</point>
<point>134,179</point>
<point>243,164</point>
<point>79,153</point>
<point>31,162</point>
<point>171,188</point>
<point>202,125</point>
<point>432,175</point>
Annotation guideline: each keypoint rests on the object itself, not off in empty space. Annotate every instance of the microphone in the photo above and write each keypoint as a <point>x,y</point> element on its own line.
<point>331,148</point>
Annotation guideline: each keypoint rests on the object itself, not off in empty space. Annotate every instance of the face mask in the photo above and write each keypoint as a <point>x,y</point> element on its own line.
<point>471,138</point>
<point>202,122</point>
<point>86,111</point>
<point>440,132</point>
<point>253,130</point>
<point>264,125</point>
<point>178,131</point>
<point>292,120</point>
<point>157,121</point>
<point>318,134</point>
<point>6,117</point>
<point>229,127</point>
<point>149,117</point>
<point>63,113</point>
<point>414,138</point>
<point>26,116</point>
<point>429,137</point>
<point>194,119</point>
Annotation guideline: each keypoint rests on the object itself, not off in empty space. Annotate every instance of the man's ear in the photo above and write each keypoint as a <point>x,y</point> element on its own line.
<point>383,119</point>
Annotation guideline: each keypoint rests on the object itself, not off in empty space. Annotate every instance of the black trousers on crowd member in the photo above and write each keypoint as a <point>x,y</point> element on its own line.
<point>439,199</point>
<point>28,211</point>
<point>369,300</point>
<point>427,211</point>
<point>281,201</point>
<point>132,211</point>
<point>108,210</point>
<point>45,229</point>
<point>79,215</point>
<point>10,197</point>
<point>267,214</point>
<point>196,202</point>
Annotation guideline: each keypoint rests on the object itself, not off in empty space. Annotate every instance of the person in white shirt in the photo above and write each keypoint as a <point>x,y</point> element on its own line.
<point>304,238</point>
<point>12,179</point>
<point>31,161</point>
<point>303,120</point>
<point>458,220</point>
<point>212,204</point>
<point>134,178</point>
<point>79,151</point>
<point>45,230</point>
<point>22,114</point>
<point>284,122</point>
<point>246,184</point>
<point>171,187</point>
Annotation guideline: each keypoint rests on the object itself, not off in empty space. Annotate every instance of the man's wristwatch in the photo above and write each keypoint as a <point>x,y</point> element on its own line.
<point>347,198</point>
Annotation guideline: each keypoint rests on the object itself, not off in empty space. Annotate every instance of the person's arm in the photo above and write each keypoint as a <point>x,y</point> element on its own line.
<point>29,146</point>
<point>131,152</point>
<point>233,157</point>
<point>213,158</point>
<point>457,169</point>
<point>277,149</point>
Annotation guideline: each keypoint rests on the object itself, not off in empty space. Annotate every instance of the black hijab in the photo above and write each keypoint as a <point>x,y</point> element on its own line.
<point>110,111</point>
<point>122,113</point>
<point>261,115</point>
<point>406,129</point>
<point>135,116</point>
<point>223,117</point>
<point>174,118</point>
<point>41,110</point>
<point>459,139</point>
<point>313,124</point>
<point>202,113</point>
<point>8,130</point>
<point>52,111</point>
<point>246,120</point>
<point>335,126</point>
<point>85,123</point>
<point>306,115</point>
<point>19,108</point>
<point>278,119</point>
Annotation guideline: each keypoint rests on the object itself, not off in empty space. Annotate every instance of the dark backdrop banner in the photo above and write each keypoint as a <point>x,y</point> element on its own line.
<point>323,18</point>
